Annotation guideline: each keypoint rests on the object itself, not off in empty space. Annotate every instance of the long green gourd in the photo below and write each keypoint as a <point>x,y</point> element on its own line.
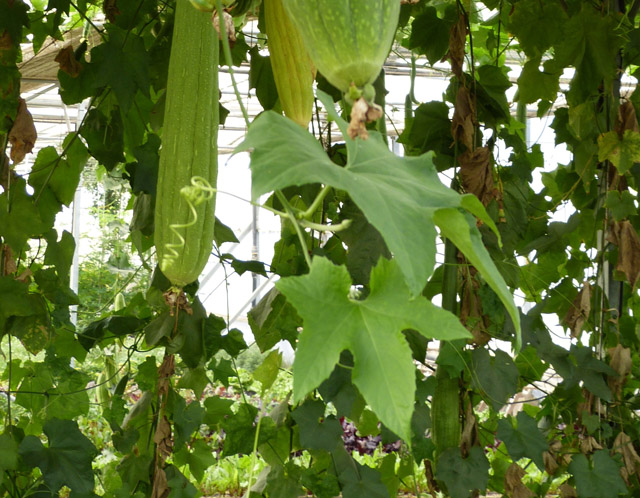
<point>185,203</point>
<point>293,71</point>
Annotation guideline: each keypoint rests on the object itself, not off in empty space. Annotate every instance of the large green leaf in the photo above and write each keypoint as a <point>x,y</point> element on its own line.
<point>67,459</point>
<point>371,329</point>
<point>496,376</point>
<point>8,454</point>
<point>525,440</point>
<point>398,195</point>
<point>19,217</point>
<point>601,478</point>
<point>462,231</point>
<point>316,431</point>
<point>462,475</point>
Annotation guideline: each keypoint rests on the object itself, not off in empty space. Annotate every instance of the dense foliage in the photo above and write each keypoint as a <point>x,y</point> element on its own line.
<point>360,296</point>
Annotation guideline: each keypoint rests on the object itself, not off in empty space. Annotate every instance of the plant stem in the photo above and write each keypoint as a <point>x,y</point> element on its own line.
<point>326,228</point>
<point>296,226</point>
<point>229,59</point>
<point>317,202</point>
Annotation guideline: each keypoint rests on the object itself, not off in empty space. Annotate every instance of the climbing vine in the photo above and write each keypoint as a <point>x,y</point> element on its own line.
<point>522,274</point>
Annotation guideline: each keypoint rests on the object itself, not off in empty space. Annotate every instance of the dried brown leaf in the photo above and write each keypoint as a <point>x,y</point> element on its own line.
<point>457,42</point>
<point>588,445</point>
<point>513,486</point>
<point>627,119</point>
<point>363,112</point>
<point>162,437</point>
<point>469,436</point>
<point>476,173</point>
<point>620,361</point>
<point>626,238</point>
<point>550,462</point>
<point>464,118</point>
<point>567,491</point>
<point>9,261</point>
<point>22,135</point>
<point>25,276</point>
<point>68,63</point>
<point>630,458</point>
<point>165,371</point>
<point>471,314</point>
<point>110,9</point>
<point>579,310</point>
<point>229,27</point>
<point>160,485</point>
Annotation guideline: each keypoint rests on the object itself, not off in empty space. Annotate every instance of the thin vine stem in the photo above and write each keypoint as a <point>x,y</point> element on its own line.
<point>229,59</point>
<point>296,226</point>
<point>306,215</point>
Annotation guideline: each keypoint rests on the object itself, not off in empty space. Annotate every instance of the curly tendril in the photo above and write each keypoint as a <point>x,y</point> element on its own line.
<point>195,194</point>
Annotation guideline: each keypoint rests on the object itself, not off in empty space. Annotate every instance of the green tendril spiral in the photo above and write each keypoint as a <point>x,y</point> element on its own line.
<point>195,194</point>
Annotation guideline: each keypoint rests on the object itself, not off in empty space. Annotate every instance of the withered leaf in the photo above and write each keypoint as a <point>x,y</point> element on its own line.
<point>165,371</point>
<point>22,135</point>
<point>464,118</point>
<point>550,462</point>
<point>162,437</point>
<point>471,314</point>
<point>229,27</point>
<point>589,444</point>
<point>624,446</point>
<point>567,491</point>
<point>363,112</point>
<point>469,435</point>
<point>620,361</point>
<point>476,173</point>
<point>68,62</point>
<point>626,238</point>
<point>579,310</point>
<point>110,9</point>
<point>160,485</point>
<point>627,119</point>
<point>9,262</point>
<point>513,486</point>
<point>25,276</point>
<point>457,42</point>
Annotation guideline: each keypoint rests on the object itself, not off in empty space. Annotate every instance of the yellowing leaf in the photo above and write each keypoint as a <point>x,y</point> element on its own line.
<point>622,153</point>
<point>371,329</point>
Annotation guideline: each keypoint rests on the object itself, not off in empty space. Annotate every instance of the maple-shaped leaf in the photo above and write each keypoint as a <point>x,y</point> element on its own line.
<point>398,195</point>
<point>622,152</point>
<point>402,197</point>
<point>124,67</point>
<point>67,459</point>
<point>371,329</point>
<point>525,440</point>
<point>462,475</point>
<point>600,477</point>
